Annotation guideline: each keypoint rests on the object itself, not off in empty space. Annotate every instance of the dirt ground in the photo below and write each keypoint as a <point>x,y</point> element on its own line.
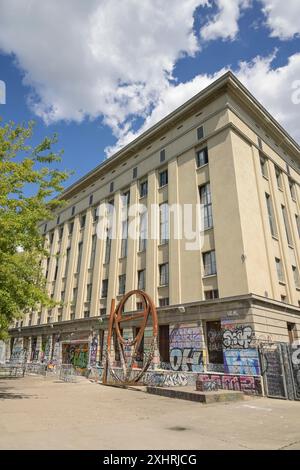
<point>43,413</point>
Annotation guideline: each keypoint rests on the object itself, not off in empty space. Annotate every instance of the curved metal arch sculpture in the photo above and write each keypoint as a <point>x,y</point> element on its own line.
<point>115,319</point>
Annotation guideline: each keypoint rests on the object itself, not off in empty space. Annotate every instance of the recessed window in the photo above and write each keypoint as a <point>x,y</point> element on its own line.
<point>104,288</point>
<point>143,227</point>
<point>259,142</point>
<point>200,133</point>
<point>134,173</point>
<point>111,187</point>
<point>91,199</point>
<point>271,215</point>
<point>102,312</point>
<point>82,221</point>
<point>88,292</point>
<point>298,223</point>
<point>164,274</point>
<point>86,314</point>
<point>163,178</point>
<point>71,227</point>
<point>164,223</point>
<point>45,228</point>
<point>263,166</point>
<point>142,279</point>
<point>162,155</point>
<point>292,332</point>
<point>144,188</point>
<point>279,269</point>
<point>164,302</point>
<point>58,220</point>
<point>292,189</point>
<point>73,210</point>
<point>211,294</point>
<point>139,305</point>
<point>95,214</point>
<point>286,225</point>
<point>122,284</point>
<point>296,276</point>
<point>79,256</point>
<point>278,174</point>
<point>202,157</point>
<point>209,263</point>
<point>206,206</point>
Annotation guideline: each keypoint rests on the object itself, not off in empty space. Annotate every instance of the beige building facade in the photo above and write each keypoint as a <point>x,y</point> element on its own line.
<point>222,150</point>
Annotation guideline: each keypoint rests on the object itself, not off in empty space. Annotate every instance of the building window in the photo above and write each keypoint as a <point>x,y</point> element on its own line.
<point>74,298</point>
<point>73,210</point>
<point>82,221</point>
<point>263,166</point>
<point>86,314</point>
<point>202,157</point>
<point>45,228</point>
<point>125,204</point>
<point>102,312</point>
<point>88,292</point>
<point>60,233</point>
<point>134,173</point>
<point>164,302</point>
<point>30,320</point>
<point>142,279</point>
<point>279,269</point>
<point>38,320</point>
<point>209,262</point>
<point>104,288</point>
<point>144,188</point>
<point>164,274</point>
<point>292,189</point>
<point>163,178</point>
<point>67,261</point>
<point>211,294</point>
<point>56,270</point>
<point>107,249</point>
<point>206,206</point>
<point>292,332</point>
<point>200,133</point>
<point>93,252</point>
<point>162,155</point>
<point>259,143</point>
<point>298,223</point>
<point>164,223</point>
<point>296,276</point>
<point>283,298</point>
<point>143,231</point>
<point>122,284</point>
<point>62,296</point>
<point>72,316</point>
<point>139,305</point>
<point>111,187</point>
<point>71,228</point>
<point>59,318</point>
<point>79,256</point>
<point>286,225</point>
<point>271,215</point>
<point>95,214</point>
<point>91,199</point>
<point>278,174</point>
<point>58,220</point>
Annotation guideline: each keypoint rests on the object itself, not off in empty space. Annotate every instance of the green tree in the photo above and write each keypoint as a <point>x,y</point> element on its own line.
<point>30,185</point>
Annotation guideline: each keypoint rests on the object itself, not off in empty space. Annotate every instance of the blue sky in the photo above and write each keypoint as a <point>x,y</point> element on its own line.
<point>109,72</point>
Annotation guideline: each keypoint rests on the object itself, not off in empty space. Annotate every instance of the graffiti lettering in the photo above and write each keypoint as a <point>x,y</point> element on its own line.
<point>240,337</point>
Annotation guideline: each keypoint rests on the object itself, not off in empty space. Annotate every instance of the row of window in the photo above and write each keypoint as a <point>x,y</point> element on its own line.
<point>272,220</point>
<point>280,273</point>
<point>279,176</point>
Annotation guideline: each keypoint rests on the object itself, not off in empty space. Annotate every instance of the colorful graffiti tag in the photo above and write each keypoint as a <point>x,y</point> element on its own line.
<point>186,349</point>
<point>212,382</point>
<point>76,354</point>
<point>93,351</point>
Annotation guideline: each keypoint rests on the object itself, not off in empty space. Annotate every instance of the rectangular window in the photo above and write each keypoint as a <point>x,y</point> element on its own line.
<point>62,296</point>
<point>286,225</point>
<point>143,231</point>
<point>73,210</point>
<point>296,276</point>
<point>58,220</point>
<point>122,284</point>
<point>45,228</point>
<point>102,312</point>
<point>60,232</point>
<point>111,187</point>
<point>263,166</point>
<point>71,228</point>
<point>164,302</point>
<point>104,288</point>
<point>79,256</point>
<point>74,298</point>
<point>271,215</point>
<point>139,305</point>
<point>209,262</point>
<point>279,269</point>
<point>82,221</point>
<point>67,261</point>
<point>259,142</point>
<point>202,157</point>
<point>164,223</point>
<point>164,343</point>
<point>162,155</point>
<point>88,292</point>
<point>144,188</point>
<point>278,173</point>
<point>95,214</point>
<point>206,206</point>
<point>56,270</point>
<point>142,279</point>
<point>200,133</point>
<point>292,189</point>
<point>163,178</point>
<point>93,252</point>
<point>91,199</point>
<point>107,249</point>
<point>86,314</point>
<point>110,217</point>
<point>298,223</point>
<point>164,274</point>
<point>292,332</point>
<point>211,294</point>
<point>134,173</point>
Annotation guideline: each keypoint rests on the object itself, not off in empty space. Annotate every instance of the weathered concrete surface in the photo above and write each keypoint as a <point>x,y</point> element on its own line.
<point>189,393</point>
<point>42,413</point>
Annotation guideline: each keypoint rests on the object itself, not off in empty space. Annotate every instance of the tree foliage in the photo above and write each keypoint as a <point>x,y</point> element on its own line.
<point>30,184</point>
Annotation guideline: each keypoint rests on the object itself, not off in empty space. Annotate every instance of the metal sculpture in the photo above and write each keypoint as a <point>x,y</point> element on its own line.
<point>115,319</point>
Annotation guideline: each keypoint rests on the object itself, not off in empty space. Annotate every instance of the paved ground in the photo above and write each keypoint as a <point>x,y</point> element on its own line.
<point>43,413</point>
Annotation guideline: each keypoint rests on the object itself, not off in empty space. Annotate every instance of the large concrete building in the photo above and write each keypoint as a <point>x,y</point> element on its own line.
<point>221,149</point>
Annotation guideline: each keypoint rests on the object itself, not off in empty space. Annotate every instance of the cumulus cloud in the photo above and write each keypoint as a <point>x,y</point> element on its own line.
<point>282,17</point>
<point>273,87</point>
<point>224,23</point>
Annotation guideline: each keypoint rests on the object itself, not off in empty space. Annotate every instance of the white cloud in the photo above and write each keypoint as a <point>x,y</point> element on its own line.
<point>283,17</point>
<point>224,24</point>
<point>274,88</point>
<point>94,58</point>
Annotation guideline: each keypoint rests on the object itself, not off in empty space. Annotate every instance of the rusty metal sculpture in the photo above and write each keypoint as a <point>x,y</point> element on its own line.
<point>116,318</point>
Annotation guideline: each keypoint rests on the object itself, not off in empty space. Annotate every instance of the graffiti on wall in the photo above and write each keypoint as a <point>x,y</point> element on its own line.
<point>2,352</point>
<point>186,349</point>
<point>241,361</point>
<point>46,349</point>
<point>18,353</point>
<point>56,350</point>
<point>237,336</point>
<point>213,382</point>
<point>76,354</point>
<point>93,351</point>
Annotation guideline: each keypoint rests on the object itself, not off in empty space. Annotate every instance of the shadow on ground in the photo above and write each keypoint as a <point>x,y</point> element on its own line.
<point>5,394</point>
